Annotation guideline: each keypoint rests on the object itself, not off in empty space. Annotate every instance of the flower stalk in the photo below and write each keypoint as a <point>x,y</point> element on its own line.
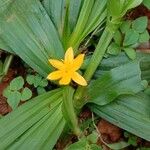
<point>69,111</point>
<point>96,59</point>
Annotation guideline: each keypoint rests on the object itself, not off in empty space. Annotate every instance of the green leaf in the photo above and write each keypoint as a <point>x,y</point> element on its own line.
<point>125,79</point>
<point>113,49</point>
<point>26,94</point>
<point>122,7</point>
<point>92,15</point>
<point>131,37</point>
<point>140,24</point>
<point>125,26</point>
<point>40,90</point>
<point>131,53</point>
<point>121,59</point>
<point>86,143</point>
<point>129,5</point>
<point>30,79</point>
<point>30,33</point>
<point>43,83</point>
<point>17,83</point>
<point>118,37</point>
<point>74,11</point>
<point>146,3</point>
<point>7,92</point>
<point>147,91</point>
<point>144,37</point>
<point>118,146</point>
<point>93,137</point>
<point>37,80</point>
<point>3,46</point>
<point>38,118</point>
<point>56,11</point>
<point>14,99</point>
<point>80,145</point>
<point>128,112</point>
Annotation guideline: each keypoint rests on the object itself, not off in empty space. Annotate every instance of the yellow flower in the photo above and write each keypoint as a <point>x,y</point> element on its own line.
<point>67,69</point>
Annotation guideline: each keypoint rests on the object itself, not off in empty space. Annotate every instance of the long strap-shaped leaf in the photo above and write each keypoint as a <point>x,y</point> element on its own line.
<point>125,79</point>
<point>82,18</point>
<point>30,122</point>
<point>28,31</point>
<point>115,61</point>
<point>128,112</point>
<point>92,14</point>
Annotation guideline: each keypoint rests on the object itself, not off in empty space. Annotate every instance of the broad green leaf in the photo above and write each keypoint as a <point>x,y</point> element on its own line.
<point>14,99</point>
<point>86,143</point>
<point>92,14</point>
<point>26,94</point>
<point>128,112</point>
<point>74,10</point>
<point>7,92</point>
<point>43,83</point>
<point>113,49</point>
<point>140,24</point>
<point>118,146</point>
<point>3,46</point>
<point>131,53</point>
<point>131,37</point>
<point>146,3</point>
<point>144,37</point>
<point>44,134</point>
<point>17,83</point>
<point>40,117</point>
<point>30,79</point>
<point>112,5</point>
<point>37,80</point>
<point>40,90</point>
<point>115,15</point>
<point>119,81</point>
<point>80,145</point>
<point>147,91</point>
<point>125,26</point>
<point>28,31</point>
<point>56,11</point>
<point>115,61</point>
<point>122,7</point>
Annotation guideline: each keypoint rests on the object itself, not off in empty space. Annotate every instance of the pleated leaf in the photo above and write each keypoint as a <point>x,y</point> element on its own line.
<point>26,126</point>
<point>121,59</point>
<point>56,11</point>
<point>28,31</point>
<point>125,79</point>
<point>92,14</point>
<point>3,46</point>
<point>128,112</point>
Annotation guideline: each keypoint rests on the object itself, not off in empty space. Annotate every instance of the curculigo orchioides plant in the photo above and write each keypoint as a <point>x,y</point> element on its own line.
<point>52,31</point>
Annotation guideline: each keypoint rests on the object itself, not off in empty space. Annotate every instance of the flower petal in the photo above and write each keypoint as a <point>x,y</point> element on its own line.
<point>69,55</point>
<point>65,80</point>
<point>56,63</point>
<point>76,77</point>
<point>78,61</point>
<point>54,75</point>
